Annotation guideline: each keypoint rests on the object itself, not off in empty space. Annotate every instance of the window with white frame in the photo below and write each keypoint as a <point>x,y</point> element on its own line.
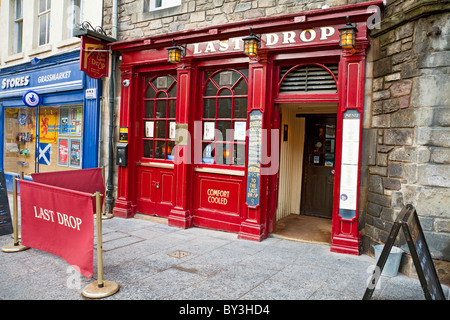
<point>154,5</point>
<point>18,26</point>
<point>73,12</point>
<point>44,21</point>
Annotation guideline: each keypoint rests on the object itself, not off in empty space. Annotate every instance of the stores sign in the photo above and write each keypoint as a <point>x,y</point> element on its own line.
<point>52,78</point>
<point>15,82</point>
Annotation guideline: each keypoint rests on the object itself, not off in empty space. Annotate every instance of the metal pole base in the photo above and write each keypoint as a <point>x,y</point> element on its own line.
<point>13,248</point>
<point>107,216</point>
<point>93,291</point>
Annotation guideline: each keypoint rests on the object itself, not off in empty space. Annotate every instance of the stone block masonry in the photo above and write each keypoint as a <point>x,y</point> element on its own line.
<point>411,117</point>
<point>136,21</point>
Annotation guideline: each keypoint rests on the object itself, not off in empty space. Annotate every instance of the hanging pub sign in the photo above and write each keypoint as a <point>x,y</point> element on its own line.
<point>94,57</point>
<point>408,221</point>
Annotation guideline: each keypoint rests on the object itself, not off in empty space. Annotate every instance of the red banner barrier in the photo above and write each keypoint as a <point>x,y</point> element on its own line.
<point>58,221</point>
<point>84,180</point>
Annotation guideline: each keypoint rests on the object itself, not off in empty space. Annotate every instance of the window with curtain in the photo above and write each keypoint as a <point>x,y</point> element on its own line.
<point>73,12</point>
<point>18,26</point>
<point>224,117</point>
<point>44,21</point>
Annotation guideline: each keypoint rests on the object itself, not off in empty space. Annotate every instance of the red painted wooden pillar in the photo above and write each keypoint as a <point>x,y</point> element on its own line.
<point>255,220</point>
<point>125,204</point>
<point>345,237</point>
<point>180,216</point>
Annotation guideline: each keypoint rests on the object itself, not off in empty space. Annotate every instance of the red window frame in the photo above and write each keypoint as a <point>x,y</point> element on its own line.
<point>158,130</point>
<point>230,146</point>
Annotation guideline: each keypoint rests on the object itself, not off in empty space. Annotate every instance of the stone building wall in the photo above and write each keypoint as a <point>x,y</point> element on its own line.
<point>136,22</point>
<point>409,158</point>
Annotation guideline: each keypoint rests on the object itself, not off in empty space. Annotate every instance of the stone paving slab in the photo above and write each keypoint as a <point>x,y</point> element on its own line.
<point>153,261</point>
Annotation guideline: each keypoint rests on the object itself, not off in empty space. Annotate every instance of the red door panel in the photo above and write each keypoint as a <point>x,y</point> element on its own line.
<point>155,191</point>
<point>218,201</point>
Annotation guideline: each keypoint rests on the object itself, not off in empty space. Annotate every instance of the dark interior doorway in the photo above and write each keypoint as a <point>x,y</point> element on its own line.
<point>318,165</point>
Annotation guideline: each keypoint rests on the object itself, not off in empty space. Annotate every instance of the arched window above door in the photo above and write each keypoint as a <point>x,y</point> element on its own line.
<point>308,78</point>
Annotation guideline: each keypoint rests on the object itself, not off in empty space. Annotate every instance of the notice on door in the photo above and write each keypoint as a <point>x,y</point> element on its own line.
<point>254,158</point>
<point>349,164</point>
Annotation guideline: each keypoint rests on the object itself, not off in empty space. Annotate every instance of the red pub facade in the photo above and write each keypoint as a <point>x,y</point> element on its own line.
<point>204,137</point>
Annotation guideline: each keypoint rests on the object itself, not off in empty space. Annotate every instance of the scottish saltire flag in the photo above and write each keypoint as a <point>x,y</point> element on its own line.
<point>44,153</point>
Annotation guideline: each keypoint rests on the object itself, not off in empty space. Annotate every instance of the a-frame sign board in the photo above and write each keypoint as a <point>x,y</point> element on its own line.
<point>408,221</point>
<point>5,214</point>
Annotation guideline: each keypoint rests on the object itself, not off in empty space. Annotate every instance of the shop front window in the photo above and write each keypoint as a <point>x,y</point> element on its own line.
<point>224,117</point>
<point>159,117</point>
<point>50,140</point>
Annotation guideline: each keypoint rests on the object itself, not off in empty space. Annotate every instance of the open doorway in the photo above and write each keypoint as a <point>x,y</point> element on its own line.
<point>306,178</point>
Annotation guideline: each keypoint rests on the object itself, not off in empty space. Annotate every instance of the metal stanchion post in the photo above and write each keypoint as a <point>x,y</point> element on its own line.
<point>16,246</point>
<point>100,288</point>
<point>105,215</point>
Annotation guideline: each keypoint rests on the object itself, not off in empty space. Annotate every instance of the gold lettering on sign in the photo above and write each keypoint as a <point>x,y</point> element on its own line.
<point>268,40</point>
<point>218,196</point>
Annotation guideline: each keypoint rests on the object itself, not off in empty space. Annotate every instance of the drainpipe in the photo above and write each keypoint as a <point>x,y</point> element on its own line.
<point>110,182</point>
<point>114,18</point>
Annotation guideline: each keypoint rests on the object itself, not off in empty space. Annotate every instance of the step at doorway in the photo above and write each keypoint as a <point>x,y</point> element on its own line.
<point>304,228</point>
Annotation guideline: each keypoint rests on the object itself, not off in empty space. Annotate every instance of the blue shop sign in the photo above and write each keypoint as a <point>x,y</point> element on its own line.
<point>31,99</point>
<point>46,80</point>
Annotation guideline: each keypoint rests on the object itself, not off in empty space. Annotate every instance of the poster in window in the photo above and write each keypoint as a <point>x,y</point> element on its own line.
<point>63,152</point>
<point>75,153</point>
<point>208,130</point>
<point>172,126</point>
<point>76,116</point>
<point>64,121</point>
<point>239,130</point>
<point>48,132</point>
<point>149,129</point>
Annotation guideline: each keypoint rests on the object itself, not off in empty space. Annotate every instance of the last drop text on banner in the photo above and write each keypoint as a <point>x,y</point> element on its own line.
<point>61,218</point>
<point>59,221</point>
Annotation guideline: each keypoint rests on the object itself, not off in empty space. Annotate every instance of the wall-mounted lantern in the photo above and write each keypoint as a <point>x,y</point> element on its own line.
<point>348,33</point>
<point>176,52</point>
<point>251,44</point>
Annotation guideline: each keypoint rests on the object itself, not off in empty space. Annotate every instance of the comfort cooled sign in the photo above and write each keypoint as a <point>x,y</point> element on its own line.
<point>269,40</point>
<point>223,197</point>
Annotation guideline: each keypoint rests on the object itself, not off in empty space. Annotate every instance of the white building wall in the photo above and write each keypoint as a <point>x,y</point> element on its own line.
<point>60,41</point>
